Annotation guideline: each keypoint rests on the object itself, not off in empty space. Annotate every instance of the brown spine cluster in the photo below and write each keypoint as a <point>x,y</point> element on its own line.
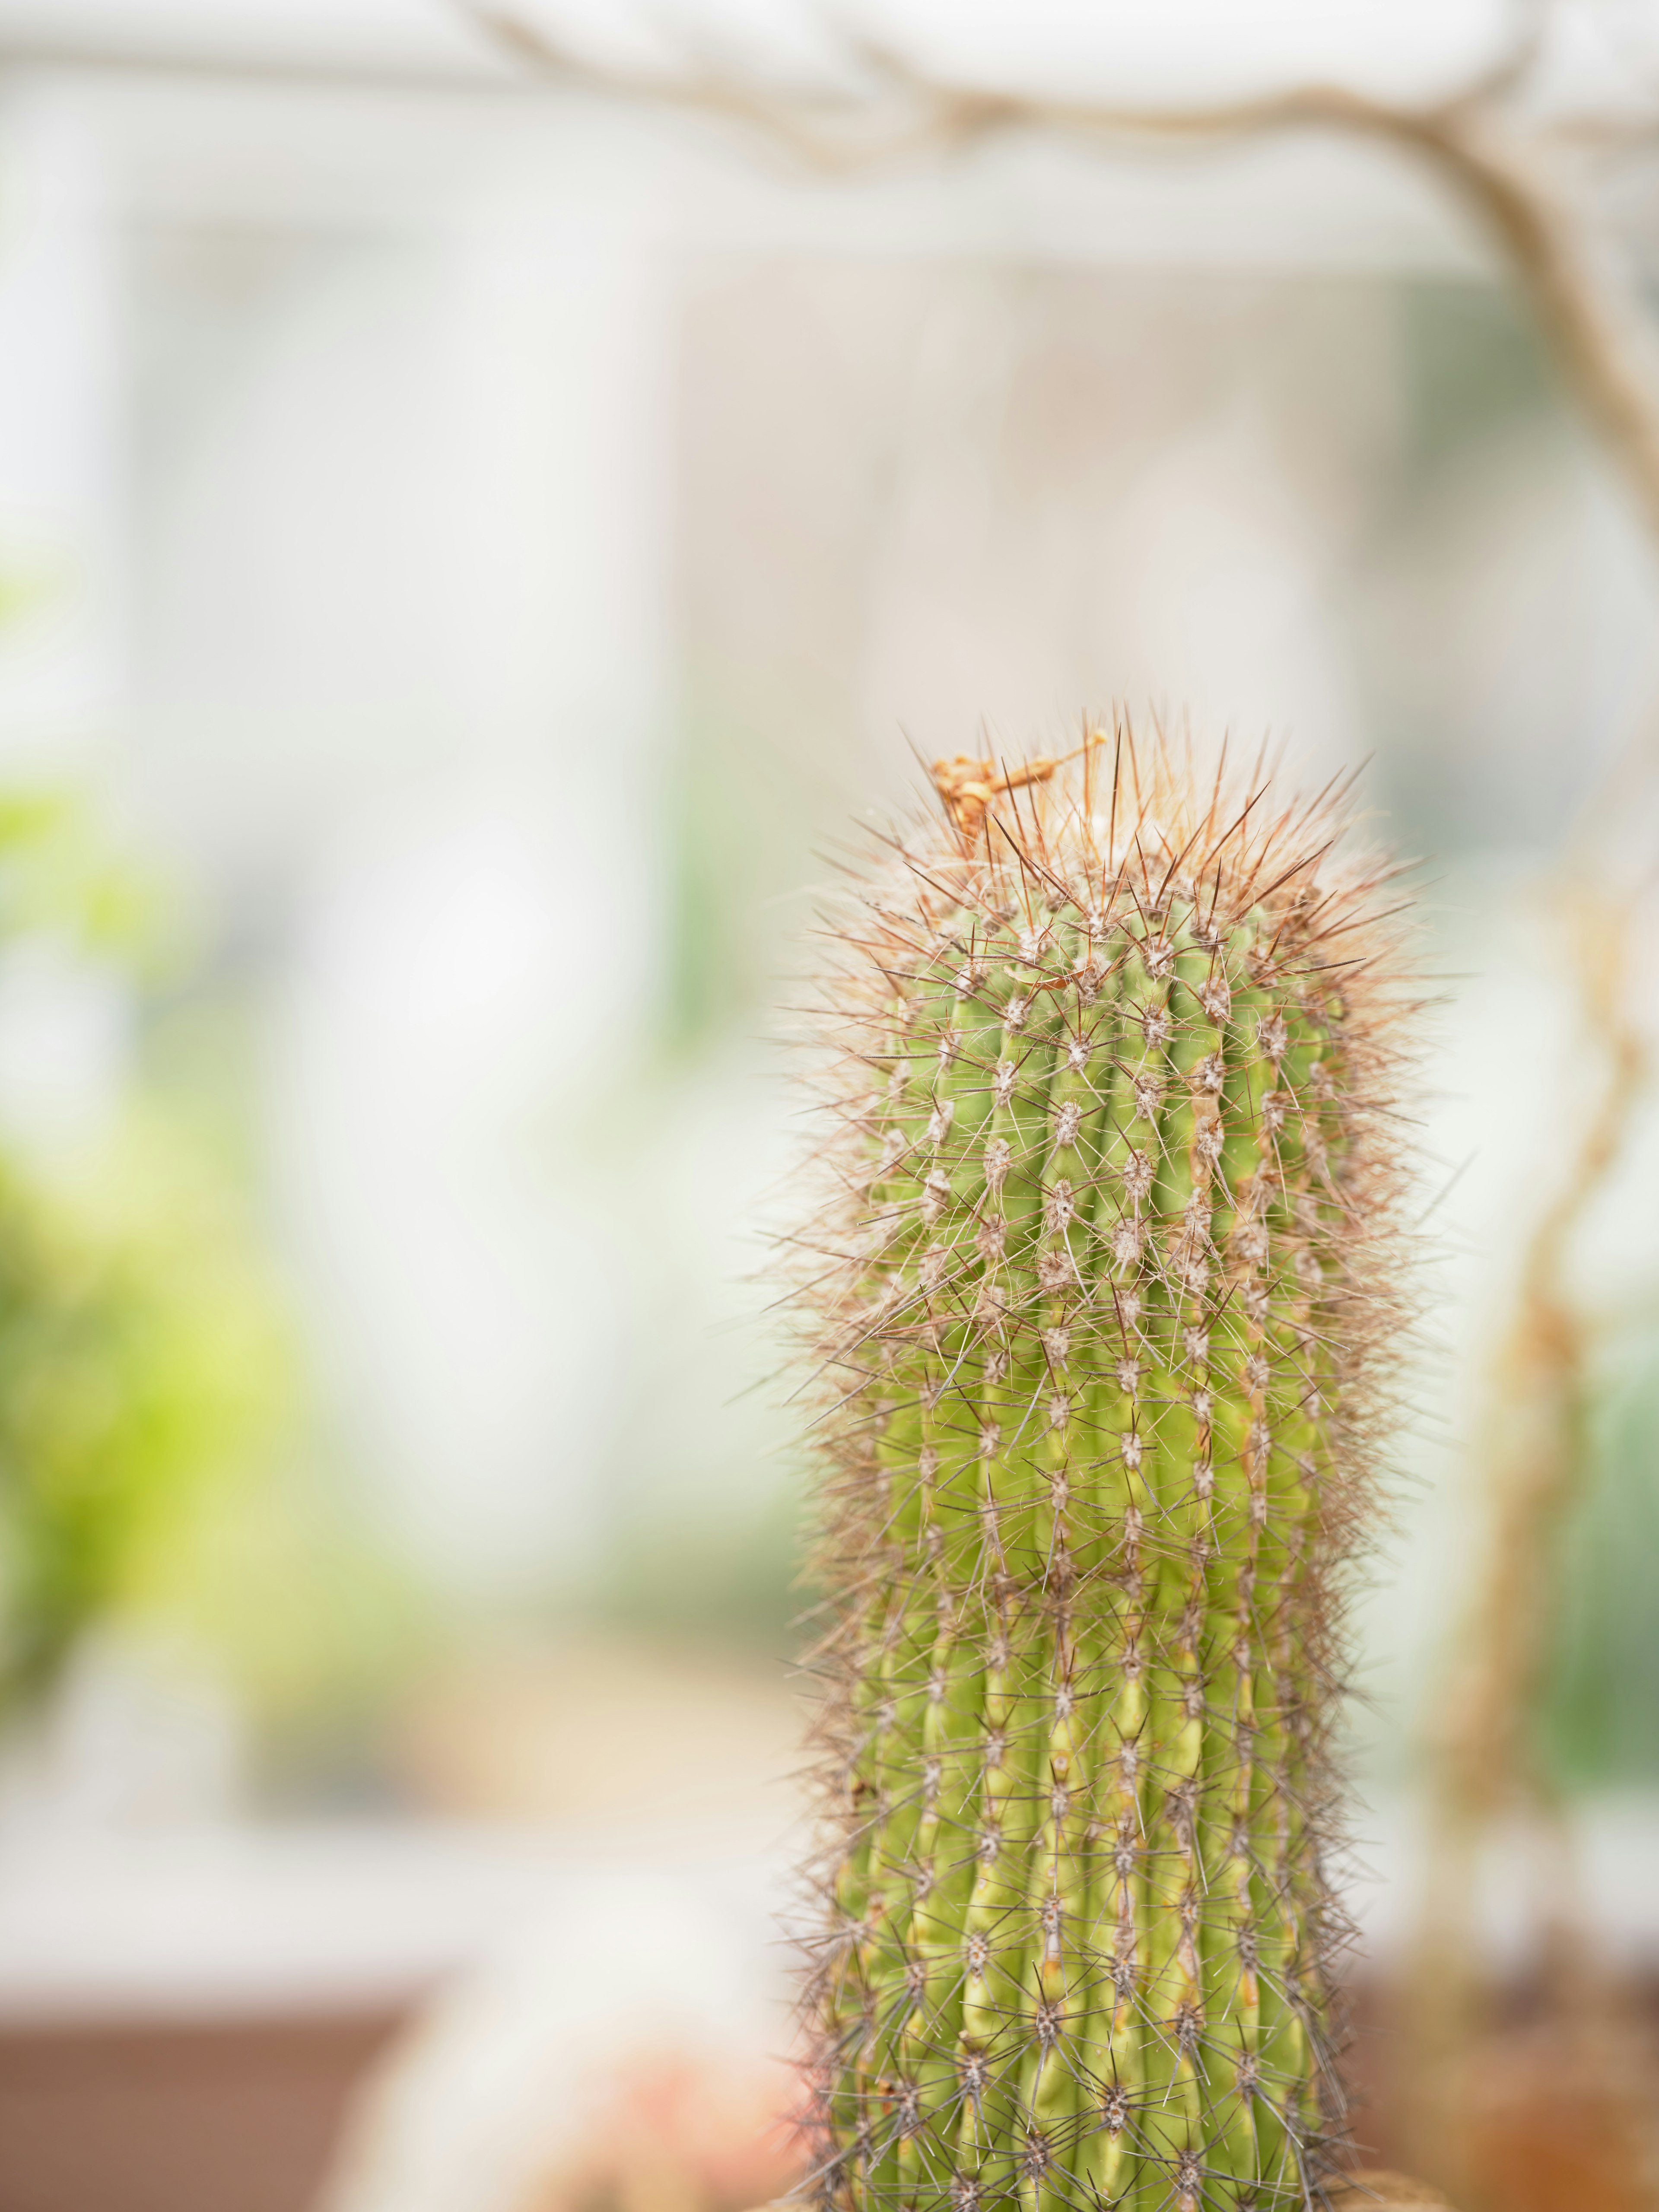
<point>1101,1301</point>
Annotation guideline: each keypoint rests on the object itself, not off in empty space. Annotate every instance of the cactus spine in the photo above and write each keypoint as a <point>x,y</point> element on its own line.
<point>1101,1303</point>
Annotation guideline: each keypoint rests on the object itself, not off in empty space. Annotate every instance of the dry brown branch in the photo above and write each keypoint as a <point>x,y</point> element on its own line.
<point>1539,1442</point>
<point>1507,177</point>
<point>1537,1453</point>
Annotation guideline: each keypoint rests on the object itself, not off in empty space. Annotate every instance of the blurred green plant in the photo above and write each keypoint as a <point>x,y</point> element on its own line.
<point>140,1363</point>
<point>153,1456</point>
<point>59,877</point>
<point>1599,1717</point>
<point>730,1578</point>
<point>141,1357</point>
<point>739,814</point>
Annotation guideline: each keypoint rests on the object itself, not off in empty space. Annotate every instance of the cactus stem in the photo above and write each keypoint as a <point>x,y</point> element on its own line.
<point>1102,1300</point>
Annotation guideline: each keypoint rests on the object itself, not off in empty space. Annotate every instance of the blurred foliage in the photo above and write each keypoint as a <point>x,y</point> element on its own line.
<point>735,839</point>
<point>732,1580</point>
<point>318,1628</point>
<point>152,1460</point>
<point>139,1363</point>
<point>1473,368</point>
<point>59,877</point>
<point>1482,420</point>
<point>1600,1715</point>
<point>140,1353</point>
<point>753,818</point>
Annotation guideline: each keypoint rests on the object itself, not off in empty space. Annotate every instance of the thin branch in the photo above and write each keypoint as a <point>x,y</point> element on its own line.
<point>1583,306</point>
<point>1542,1398</point>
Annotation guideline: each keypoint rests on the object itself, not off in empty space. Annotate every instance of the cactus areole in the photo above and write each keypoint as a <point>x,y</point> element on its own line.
<point>1102,1302</point>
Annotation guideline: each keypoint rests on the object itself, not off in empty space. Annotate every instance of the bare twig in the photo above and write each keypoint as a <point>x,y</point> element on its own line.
<point>1537,1455</point>
<point>1508,181</point>
<point>1538,1445</point>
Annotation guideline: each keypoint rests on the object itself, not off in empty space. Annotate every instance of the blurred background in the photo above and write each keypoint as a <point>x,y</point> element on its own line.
<point>469,549</point>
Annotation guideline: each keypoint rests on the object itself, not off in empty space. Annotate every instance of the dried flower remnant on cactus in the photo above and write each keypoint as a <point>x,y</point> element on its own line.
<point>1101,1300</point>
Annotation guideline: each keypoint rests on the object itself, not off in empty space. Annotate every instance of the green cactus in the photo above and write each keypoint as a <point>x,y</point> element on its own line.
<point>1102,1304</point>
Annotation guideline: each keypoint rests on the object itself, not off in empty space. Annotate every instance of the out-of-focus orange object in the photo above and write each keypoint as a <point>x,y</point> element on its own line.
<point>1556,2127</point>
<point>1553,2112</point>
<point>672,2133</point>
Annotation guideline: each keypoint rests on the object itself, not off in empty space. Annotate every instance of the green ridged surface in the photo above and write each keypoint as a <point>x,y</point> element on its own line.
<point>1089,1360</point>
